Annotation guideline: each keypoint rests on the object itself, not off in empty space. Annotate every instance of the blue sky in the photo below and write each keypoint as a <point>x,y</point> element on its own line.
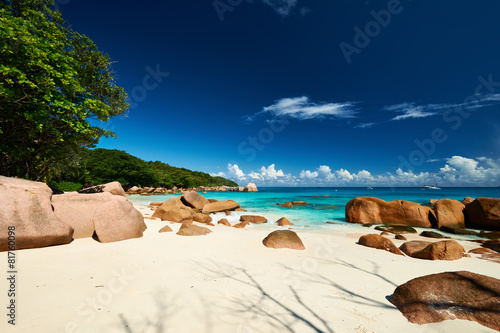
<point>307,92</point>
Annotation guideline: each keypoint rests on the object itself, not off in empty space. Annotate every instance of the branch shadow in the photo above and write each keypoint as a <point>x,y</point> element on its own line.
<point>282,316</point>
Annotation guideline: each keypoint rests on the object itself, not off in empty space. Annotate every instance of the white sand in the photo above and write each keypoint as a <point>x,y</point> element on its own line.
<point>226,281</point>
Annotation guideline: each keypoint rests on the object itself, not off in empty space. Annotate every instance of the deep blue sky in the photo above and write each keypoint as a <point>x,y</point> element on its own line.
<point>275,70</point>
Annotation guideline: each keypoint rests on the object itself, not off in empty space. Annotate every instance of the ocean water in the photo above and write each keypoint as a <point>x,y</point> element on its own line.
<point>324,204</point>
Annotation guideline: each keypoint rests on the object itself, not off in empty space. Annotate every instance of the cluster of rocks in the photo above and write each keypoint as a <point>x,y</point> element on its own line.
<point>40,218</point>
<point>193,207</point>
<point>162,191</point>
<point>446,214</point>
<point>251,187</point>
<point>174,190</point>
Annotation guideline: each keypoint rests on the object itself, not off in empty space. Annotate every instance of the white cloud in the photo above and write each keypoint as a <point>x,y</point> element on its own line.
<point>270,172</point>
<point>235,172</point>
<point>412,110</point>
<point>302,108</point>
<point>456,171</point>
<point>308,174</point>
<point>344,175</point>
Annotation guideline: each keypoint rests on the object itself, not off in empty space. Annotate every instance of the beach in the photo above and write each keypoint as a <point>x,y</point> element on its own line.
<point>226,281</point>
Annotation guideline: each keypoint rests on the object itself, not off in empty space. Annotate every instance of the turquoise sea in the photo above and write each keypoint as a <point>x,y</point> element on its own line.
<point>322,200</point>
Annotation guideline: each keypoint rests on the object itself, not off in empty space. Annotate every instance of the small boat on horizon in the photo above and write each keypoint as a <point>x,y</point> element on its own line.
<point>432,187</point>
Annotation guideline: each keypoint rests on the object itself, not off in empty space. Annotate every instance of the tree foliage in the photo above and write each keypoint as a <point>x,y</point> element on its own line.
<point>52,82</point>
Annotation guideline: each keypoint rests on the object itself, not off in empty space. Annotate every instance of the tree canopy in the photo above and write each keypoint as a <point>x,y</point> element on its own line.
<point>53,80</point>
<point>101,166</point>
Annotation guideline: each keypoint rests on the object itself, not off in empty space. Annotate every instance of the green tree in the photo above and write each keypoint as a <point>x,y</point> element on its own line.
<point>52,82</point>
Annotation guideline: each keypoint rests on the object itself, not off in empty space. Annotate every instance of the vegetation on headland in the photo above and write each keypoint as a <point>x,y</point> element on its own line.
<point>101,166</point>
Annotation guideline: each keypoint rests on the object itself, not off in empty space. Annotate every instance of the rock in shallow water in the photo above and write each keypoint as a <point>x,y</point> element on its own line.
<point>374,210</point>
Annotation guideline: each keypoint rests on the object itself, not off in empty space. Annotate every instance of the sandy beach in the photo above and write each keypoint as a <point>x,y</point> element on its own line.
<point>226,281</point>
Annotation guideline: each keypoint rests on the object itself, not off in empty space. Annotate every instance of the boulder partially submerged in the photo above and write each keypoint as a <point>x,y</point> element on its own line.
<point>366,210</point>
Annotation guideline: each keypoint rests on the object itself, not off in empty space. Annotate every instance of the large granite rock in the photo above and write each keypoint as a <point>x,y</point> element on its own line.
<point>366,210</point>
<point>379,242</point>
<point>26,206</point>
<point>178,215</point>
<point>114,188</point>
<point>194,200</point>
<point>171,203</point>
<point>449,213</point>
<point>283,239</point>
<point>483,213</point>
<point>451,295</point>
<point>442,250</point>
<point>220,206</point>
<point>287,204</point>
<point>112,217</point>
<point>251,187</point>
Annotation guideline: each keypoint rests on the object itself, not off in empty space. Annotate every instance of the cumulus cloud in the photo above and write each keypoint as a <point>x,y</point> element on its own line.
<point>235,172</point>
<point>456,171</point>
<point>302,108</point>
